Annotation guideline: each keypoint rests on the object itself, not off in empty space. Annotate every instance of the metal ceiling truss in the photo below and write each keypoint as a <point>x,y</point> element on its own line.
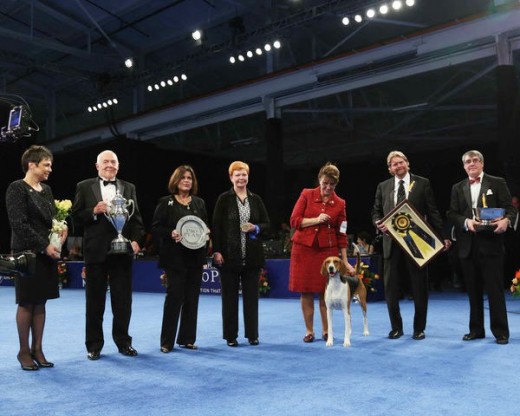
<point>464,42</point>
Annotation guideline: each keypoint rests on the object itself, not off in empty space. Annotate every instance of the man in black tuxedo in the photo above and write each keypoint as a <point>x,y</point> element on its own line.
<point>91,202</point>
<point>389,193</point>
<point>481,252</point>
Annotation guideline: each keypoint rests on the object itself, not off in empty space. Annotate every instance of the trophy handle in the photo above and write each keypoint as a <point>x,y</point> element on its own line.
<point>130,202</point>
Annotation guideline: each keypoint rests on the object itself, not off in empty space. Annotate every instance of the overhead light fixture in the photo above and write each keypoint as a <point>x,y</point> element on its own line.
<point>102,105</point>
<point>345,21</point>
<point>268,47</point>
<point>129,63</point>
<point>167,82</point>
<point>358,18</point>
<point>371,13</point>
<point>196,35</point>
<point>383,9</point>
<point>410,3</point>
<point>397,4</point>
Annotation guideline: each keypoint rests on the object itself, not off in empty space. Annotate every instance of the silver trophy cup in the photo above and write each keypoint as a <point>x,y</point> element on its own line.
<point>118,215</point>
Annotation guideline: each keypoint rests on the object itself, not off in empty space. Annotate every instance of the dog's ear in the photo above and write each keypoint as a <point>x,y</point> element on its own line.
<point>324,271</point>
<point>342,268</point>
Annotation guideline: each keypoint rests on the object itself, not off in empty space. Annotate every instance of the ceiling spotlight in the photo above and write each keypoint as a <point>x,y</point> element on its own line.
<point>176,78</point>
<point>241,58</point>
<point>277,44</point>
<point>249,54</point>
<point>89,109</point>
<point>232,59</point>
<point>184,77</point>
<point>94,108</point>
<point>129,62</point>
<point>345,21</point>
<point>163,84</point>
<point>115,101</point>
<point>196,35</point>
<point>109,102</point>
<point>358,18</point>
<point>258,51</point>
<point>383,9</point>
<point>267,47</point>
<point>149,88</point>
<point>105,105</point>
<point>156,86</point>
<point>371,13</point>
<point>99,106</point>
<point>397,4</point>
<point>410,3</point>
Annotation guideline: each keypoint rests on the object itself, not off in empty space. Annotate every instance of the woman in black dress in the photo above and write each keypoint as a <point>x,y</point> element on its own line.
<point>30,208</point>
<point>182,264</point>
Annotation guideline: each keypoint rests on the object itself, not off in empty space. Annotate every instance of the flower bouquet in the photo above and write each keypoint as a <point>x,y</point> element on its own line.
<point>58,222</point>
<point>367,277</point>
<point>263,283</point>
<point>515,284</point>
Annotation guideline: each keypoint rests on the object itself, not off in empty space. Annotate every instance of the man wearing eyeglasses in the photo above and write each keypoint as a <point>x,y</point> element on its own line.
<point>481,249</point>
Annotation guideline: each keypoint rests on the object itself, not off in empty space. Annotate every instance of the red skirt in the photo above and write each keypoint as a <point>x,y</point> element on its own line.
<point>305,268</point>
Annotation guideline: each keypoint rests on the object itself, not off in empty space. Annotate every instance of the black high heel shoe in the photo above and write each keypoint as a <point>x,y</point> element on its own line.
<point>42,364</point>
<point>32,367</point>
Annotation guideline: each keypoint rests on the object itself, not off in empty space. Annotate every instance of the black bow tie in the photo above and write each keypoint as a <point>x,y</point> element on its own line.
<point>105,183</point>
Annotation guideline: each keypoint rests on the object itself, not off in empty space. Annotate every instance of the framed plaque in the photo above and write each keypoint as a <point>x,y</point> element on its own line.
<point>412,233</point>
<point>194,232</point>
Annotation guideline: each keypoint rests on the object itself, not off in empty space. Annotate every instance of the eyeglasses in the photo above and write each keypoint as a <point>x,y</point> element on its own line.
<point>472,160</point>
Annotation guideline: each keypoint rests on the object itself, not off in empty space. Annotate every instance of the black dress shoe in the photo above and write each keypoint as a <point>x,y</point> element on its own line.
<point>502,340</point>
<point>32,367</point>
<point>418,335</point>
<point>471,336</point>
<point>42,364</point>
<point>93,355</point>
<point>394,334</point>
<point>232,343</point>
<point>129,351</point>
<point>165,349</point>
<point>253,341</point>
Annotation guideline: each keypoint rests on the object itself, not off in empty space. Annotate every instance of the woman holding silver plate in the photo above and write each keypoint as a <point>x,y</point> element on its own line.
<point>179,226</point>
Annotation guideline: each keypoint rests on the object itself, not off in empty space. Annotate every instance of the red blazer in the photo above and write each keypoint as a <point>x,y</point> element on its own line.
<point>310,205</point>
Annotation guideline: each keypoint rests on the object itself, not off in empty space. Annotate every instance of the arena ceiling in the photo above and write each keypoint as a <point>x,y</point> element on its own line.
<point>421,77</point>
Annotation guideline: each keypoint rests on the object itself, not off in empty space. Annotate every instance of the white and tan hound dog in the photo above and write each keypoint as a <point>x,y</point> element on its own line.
<point>338,296</point>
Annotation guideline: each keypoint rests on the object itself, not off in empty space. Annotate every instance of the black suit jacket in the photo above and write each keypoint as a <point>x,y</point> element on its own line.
<point>497,196</point>
<point>420,196</point>
<point>98,231</point>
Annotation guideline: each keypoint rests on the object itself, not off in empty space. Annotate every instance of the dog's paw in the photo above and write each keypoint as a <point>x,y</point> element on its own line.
<point>366,333</point>
<point>346,343</point>
<point>330,342</point>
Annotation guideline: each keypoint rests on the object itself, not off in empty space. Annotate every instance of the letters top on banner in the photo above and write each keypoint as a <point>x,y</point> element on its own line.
<point>412,233</point>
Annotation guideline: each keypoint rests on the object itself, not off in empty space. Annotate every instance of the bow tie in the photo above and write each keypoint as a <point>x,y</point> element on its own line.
<point>105,183</point>
<point>476,180</point>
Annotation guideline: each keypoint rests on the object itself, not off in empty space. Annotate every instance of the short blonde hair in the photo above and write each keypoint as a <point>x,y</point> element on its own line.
<point>395,153</point>
<point>238,165</point>
<point>329,170</point>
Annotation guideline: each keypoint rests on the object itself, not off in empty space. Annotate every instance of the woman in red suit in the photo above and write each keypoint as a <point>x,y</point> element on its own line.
<point>319,218</point>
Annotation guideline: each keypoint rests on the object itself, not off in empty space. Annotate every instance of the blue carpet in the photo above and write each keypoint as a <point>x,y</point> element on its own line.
<point>282,376</point>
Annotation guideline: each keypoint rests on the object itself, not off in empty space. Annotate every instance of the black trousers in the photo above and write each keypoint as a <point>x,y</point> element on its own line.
<point>116,270</point>
<point>182,300</point>
<point>393,268</point>
<point>230,281</point>
<point>485,273</point>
